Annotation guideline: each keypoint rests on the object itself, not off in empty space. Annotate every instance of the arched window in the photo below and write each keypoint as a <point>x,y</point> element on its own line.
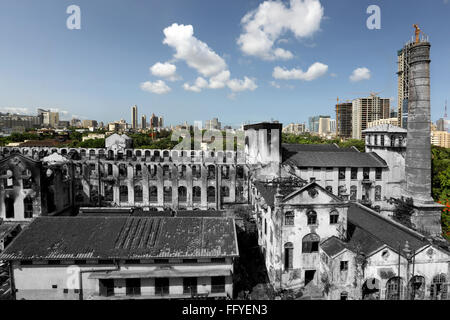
<point>182,172</point>
<point>439,287</point>
<point>91,154</point>
<point>225,172</point>
<point>122,170</point>
<point>289,218</point>
<point>138,170</point>
<point>138,153</point>
<point>153,194</point>
<point>288,256</point>
<point>110,169</point>
<point>152,170</point>
<point>123,193</point>
<point>109,192</point>
<point>211,194</point>
<point>224,192</point>
<point>182,194</point>
<point>394,288</point>
<point>334,217</point>
<point>138,196</point>
<point>196,194</point>
<point>28,207</point>
<point>310,243</point>
<point>311,217</point>
<point>378,193</point>
<point>196,171</point>
<point>167,194</point>
<point>211,172</point>
<point>240,172</point>
<point>417,288</point>
<point>167,172</point>
<point>165,154</point>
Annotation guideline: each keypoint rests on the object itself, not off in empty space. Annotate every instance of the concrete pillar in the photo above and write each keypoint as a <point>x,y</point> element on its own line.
<point>204,186</point>
<point>189,187</point>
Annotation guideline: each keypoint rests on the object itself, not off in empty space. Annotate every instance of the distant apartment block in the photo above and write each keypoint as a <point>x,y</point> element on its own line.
<point>344,120</point>
<point>440,139</point>
<point>295,128</point>
<point>213,124</point>
<point>366,110</point>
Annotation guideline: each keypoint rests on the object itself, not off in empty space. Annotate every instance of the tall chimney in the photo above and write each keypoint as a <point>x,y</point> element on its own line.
<point>427,213</point>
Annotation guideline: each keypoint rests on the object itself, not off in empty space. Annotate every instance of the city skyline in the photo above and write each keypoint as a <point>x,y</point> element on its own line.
<point>85,72</point>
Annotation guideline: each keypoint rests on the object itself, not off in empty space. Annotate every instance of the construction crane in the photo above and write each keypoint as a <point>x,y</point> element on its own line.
<point>417,33</point>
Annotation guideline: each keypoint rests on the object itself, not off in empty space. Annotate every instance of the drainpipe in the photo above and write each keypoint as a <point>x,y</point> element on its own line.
<point>116,268</point>
<point>11,280</point>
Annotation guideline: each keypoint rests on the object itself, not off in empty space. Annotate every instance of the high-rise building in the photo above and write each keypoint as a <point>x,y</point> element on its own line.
<point>17,122</point>
<point>213,124</point>
<point>403,60</point>
<point>89,124</point>
<point>134,117</point>
<point>49,119</point>
<point>365,110</point>
<point>344,120</point>
<point>75,122</point>
<point>143,122</point>
<point>154,121</point>
<point>160,122</point>
<point>295,128</point>
<point>320,125</point>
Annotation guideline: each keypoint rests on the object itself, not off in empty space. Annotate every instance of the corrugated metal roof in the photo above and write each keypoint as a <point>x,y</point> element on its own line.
<point>124,238</point>
<point>333,159</point>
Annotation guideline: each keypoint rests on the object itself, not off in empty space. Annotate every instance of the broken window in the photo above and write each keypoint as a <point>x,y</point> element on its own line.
<point>225,191</point>
<point>378,173</point>
<point>122,170</point>
<point>196,172</point>
<point>341,173</point>
<point>378,193</point>
<point>123,192</point>
<point>167,194</point>
<point>240,172</point>
<point>196,194</point>
<point>225,172</point>
<point>28,207</point>
<point>366,173</point>
<point>288,256</point>
<point>217,284</point>
<point>353,193</point>
<point>153,194</point>
<point>334,217</point>
<point>161,286</point>
<point>110,169</point>
<point>439,287</point>
<point>211,172</point>
<point>354,173</point>
<point>133,287</point>
<point>311,217</point>
<point>109,192</point>
<point>344,266</point>
<point>182,172</point>
<point>138,170</point>
<point>9,206</point>
<point>394,288</point>
<point>211,194</point>
<point>182,194</point>
<point>167,173</point>
<point>289,218</point>
<point>310,243</point>
<point>138,196</point>
<point>190,285</point>
<point>417,288</point>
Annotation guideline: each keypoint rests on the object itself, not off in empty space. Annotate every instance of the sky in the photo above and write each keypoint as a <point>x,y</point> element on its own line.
<point>191,60</point>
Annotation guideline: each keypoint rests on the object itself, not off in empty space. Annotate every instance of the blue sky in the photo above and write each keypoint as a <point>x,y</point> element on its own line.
<point>99,71</point>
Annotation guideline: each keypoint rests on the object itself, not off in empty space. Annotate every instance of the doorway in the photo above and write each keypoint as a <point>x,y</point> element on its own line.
<point>309,276</point>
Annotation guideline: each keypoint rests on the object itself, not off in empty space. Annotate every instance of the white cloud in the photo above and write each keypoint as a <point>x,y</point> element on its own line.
<point>360,74</point>
<point>219,81</point>
<point>315,71</point>
<point>333,75</point>
<point>196,53</point>
<point>158,87</point>
<point>237,85</point>
<point>264,25</point>
<point>275,85</point>
<point>200,84</point>
<point>165,70</point>
<point>15,110</point>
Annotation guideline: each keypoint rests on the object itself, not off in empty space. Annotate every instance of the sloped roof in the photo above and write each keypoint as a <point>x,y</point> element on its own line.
<point>309,185</point>
<point>269,191</point>
<point>370,230</point>
<point>333,159</point>
<point>333,246</point>
<point>6,228</point>
<point>124,238</point>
